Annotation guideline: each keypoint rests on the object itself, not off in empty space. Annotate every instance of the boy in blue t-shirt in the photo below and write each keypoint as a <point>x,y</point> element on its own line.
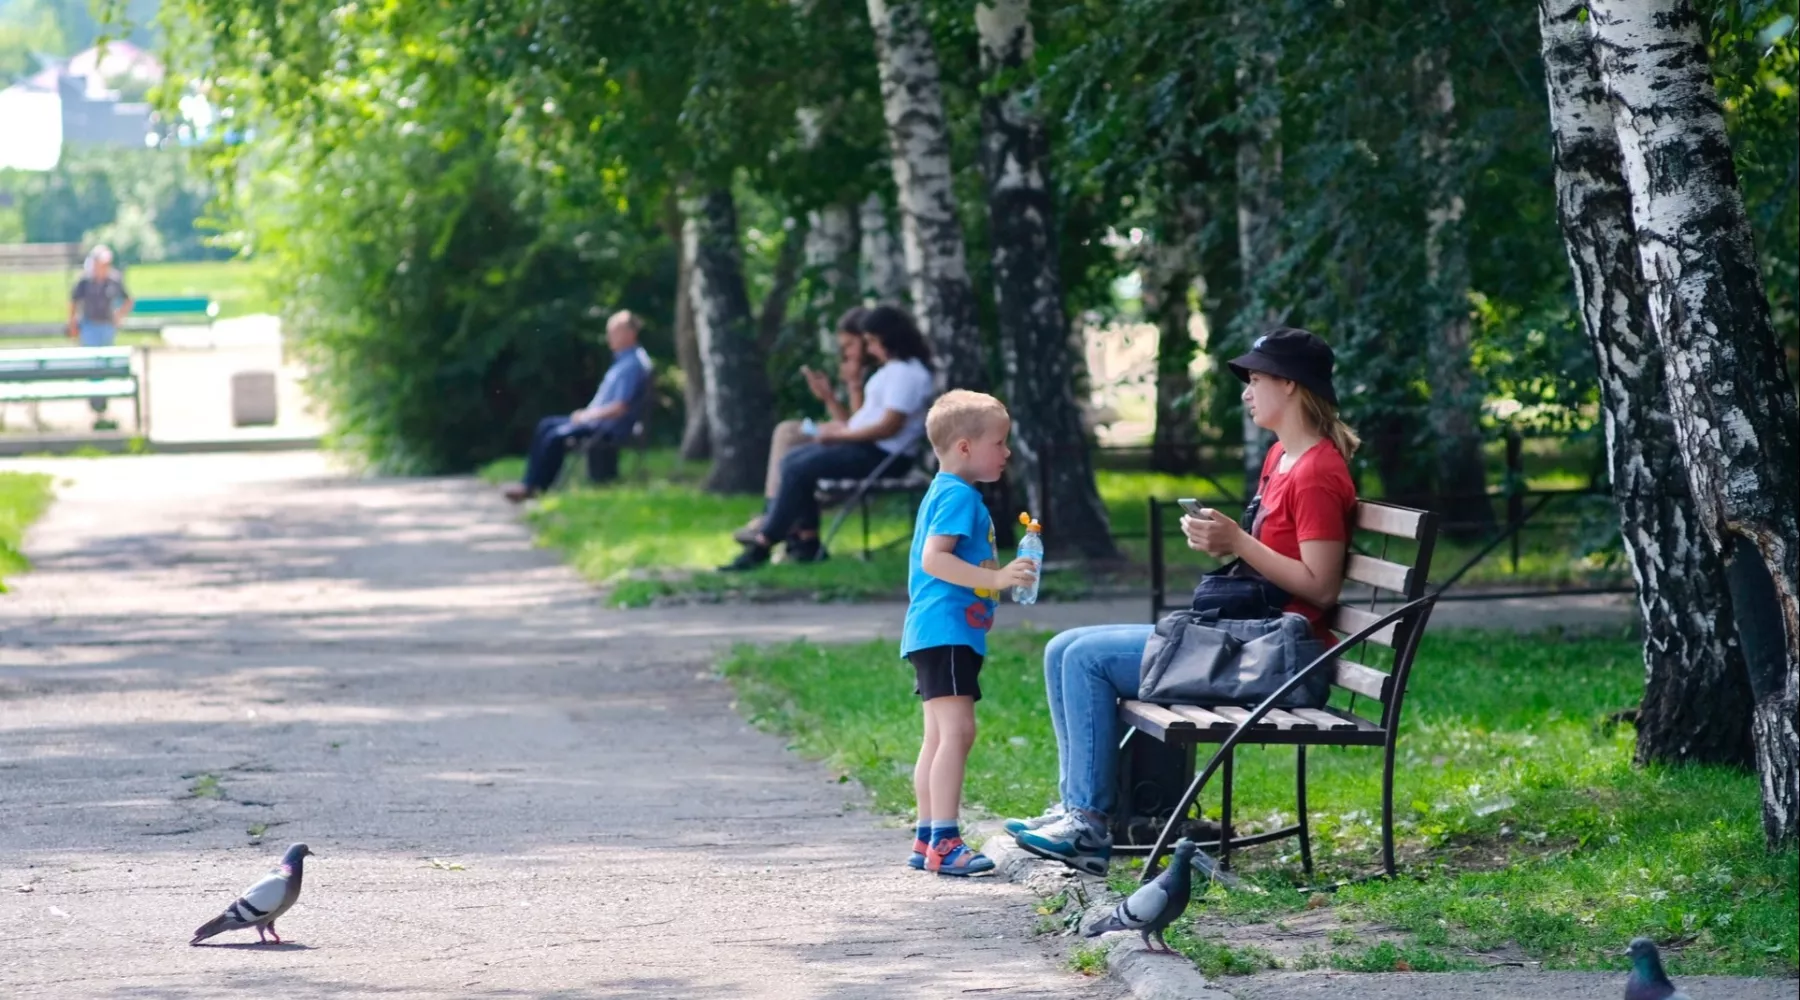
<point>953,587</point>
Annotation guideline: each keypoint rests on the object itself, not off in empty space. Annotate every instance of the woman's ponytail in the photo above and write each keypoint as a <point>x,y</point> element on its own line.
<point>1324,418</point>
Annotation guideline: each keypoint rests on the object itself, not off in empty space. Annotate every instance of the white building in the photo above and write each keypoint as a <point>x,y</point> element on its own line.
<point>78,101</point>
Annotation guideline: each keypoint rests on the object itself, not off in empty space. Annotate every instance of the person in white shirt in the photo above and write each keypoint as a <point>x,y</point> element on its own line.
<point>791,434</point>
<point>890,422</point>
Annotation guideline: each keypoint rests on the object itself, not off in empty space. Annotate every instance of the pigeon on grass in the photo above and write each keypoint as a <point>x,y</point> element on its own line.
<point>263,902</point>
<point>1647,980</point>
<point>1157,904</point>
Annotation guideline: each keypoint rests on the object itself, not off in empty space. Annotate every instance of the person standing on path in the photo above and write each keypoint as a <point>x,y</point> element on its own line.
<point>616,407</point>
<point>97,305</point>
<point>954,586</point>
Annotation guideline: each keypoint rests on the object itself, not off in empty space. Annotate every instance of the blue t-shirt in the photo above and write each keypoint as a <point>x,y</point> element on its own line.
<point>623,383</point>
<point>939,613</point>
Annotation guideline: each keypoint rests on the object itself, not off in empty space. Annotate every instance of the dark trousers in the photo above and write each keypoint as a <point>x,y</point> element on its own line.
<point>795,508</point>
<point>550,442</point>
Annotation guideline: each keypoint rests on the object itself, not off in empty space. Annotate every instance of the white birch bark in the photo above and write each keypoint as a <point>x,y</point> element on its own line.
<point>696,444</point>
<point>931,232</point>
<point>1697,705</point>
<point>1052,457</point>
<point>739,403</point>
<point>1729,391</point>
<point>883,262</point>
<point>831,263</point>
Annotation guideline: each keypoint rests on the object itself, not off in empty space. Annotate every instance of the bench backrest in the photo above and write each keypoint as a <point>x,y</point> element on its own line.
<point>59,363</point>
<point>197,306</point>
<point>1388,580</point>
<point>22,257</point>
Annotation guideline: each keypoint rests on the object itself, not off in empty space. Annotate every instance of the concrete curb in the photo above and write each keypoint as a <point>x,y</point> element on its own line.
<point>1148,975</point>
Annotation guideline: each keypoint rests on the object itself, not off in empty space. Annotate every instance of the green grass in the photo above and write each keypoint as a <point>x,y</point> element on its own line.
<point>237,286</point>
<point>1520,815</point>
<point>23,497</point>
<point>659,536</point>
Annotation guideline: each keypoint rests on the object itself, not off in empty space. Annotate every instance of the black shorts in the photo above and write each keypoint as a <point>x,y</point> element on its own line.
<point>946,672</point>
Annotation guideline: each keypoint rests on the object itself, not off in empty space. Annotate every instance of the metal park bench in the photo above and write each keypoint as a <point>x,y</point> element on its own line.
<point>39,374</point>
<point>1231,726</point>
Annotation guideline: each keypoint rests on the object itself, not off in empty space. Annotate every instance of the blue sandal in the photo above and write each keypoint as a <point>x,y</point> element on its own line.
<point>951,856</point>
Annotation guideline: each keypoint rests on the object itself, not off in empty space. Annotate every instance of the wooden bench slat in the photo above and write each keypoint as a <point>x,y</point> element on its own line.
<point>1378,573</point>
<point>1332,721</point>
<point>1202,718</point>
<point>1400,522</point>
<point>1348,620</point>
<point>1366,681</point>
<point>1288,719</point>
<point>1237,716</point>
<point>24,392</point>
<point>1156,714</point>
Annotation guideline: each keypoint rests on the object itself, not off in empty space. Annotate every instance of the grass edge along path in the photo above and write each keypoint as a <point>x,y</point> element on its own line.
<point>1521,818</point>
<point>23,498</point>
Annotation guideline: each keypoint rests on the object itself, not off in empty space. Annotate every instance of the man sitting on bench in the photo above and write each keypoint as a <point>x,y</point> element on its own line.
<point>616,407</point>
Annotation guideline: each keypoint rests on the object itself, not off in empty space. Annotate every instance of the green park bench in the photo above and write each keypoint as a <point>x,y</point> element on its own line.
<point>39,374</point>
<point>155,313</point>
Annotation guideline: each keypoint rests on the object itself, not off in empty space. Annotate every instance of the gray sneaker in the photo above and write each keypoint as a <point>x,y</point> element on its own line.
<point>1015,827</point>
<point>1072,840</point>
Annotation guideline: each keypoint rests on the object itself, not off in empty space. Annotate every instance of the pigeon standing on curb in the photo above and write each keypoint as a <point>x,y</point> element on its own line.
<point>1156,905</point>
<point>263,902</point>
<point>1647,980</point>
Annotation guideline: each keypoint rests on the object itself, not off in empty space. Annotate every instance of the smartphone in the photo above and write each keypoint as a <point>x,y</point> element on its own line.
<point>1194,509</point>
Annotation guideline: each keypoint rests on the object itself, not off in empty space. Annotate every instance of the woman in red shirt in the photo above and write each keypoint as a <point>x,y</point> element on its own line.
<point>1289,558</point>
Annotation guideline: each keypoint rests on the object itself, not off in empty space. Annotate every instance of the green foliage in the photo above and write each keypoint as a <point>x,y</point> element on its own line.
<point>149,205</point>
<point>23,497</point>
<point>1520,815</point>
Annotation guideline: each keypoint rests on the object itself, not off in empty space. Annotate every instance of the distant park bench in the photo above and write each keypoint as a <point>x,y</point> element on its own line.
<point>156,313</point>
<point>39,374</point>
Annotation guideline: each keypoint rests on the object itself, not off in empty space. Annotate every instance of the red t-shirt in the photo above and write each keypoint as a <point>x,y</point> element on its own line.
<point>1310,502</point>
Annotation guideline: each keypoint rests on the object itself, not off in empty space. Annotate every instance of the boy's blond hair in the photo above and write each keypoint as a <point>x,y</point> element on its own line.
<point>960,414</point>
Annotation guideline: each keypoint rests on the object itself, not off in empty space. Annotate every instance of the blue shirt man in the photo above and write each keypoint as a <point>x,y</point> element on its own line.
<point>617,406</point>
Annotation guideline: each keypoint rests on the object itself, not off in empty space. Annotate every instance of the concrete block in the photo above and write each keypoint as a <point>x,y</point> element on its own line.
<point>253,399</point>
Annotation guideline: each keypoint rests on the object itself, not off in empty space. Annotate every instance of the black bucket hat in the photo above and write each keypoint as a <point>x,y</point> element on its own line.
<point>1291,354</point>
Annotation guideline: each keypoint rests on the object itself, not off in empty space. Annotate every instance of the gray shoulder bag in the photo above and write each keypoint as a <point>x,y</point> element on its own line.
<point>1196,657</point>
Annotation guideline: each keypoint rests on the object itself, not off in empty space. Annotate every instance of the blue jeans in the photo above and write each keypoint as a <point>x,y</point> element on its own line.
<point>1086,671</point>
<point>548,445</point>
<point>98,335</point>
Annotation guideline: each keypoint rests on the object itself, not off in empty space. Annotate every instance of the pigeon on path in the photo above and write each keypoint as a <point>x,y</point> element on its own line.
<point>1647,980</point>
<point>263,902</point>
<point>1156,905</point>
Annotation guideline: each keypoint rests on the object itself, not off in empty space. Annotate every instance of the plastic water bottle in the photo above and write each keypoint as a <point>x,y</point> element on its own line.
<point>1031,547</point>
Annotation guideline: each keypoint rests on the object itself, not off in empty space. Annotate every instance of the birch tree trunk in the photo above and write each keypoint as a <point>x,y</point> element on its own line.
<point>1455,406</point>
<point>1259,204</point>
<point>1169,268</point>
<point>739,404</point>
<point>1052,456</point>
<point>936,259</point>
<point>695,442</point>
<point>1729,392</point>
<point>1697,704</point>
<point>831,262</point>
<point>883,262</point>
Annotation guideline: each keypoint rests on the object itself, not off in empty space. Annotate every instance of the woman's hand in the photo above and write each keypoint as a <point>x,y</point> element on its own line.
<point>818,384</point>
<point>1216,535</point>
<point>830,433</point>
